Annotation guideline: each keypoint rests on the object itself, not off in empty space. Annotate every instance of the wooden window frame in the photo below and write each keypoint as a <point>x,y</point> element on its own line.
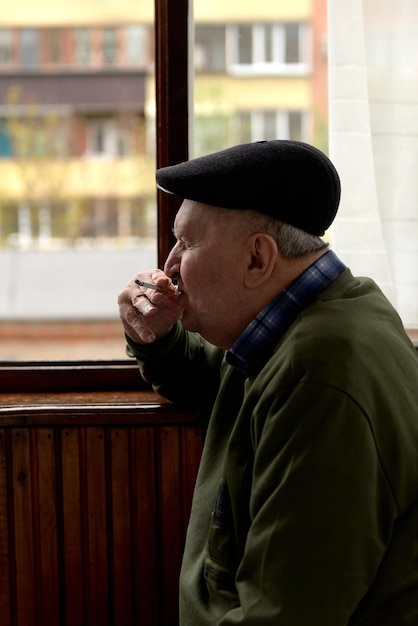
<point>172,104</point>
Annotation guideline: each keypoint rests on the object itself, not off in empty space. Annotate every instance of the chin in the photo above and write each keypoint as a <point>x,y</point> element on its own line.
<point>189,323</point>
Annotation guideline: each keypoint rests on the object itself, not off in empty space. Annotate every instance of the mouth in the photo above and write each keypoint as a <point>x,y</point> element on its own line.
<point>179,288</point>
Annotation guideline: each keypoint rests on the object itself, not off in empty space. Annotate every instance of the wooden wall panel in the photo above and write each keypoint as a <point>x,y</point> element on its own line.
<point>95,525</point>
<point>121,547</point>
<point>45,539</point>
<point>5,592</point>
<point>23,574</point>
<point>169,514</point>
<point>73,583</point>
<point>145,519</point>
<point>93,515</point>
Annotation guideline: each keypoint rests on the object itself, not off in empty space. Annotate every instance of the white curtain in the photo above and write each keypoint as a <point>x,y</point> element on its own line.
<point>373,80</point>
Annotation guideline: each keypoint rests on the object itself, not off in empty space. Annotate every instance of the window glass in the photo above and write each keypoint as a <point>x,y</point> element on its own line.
<point>109,46</point>
<point>244,34</point>
<point>269,125</point>
<point>29,51</point>
<point>82,46</point>
<point>267,39</point>
<point>5,143</point>
<point>5,46</point>
<point>244,127</point>
<point>209,48</point>
<point>276,47</point>
<point>251,96</point>
<point>77,144</point>
<point>210,133</point>
<point>54,45</point>
<point>109,136</point>
<point>135,44</point>
<point>292,39</point>
<point>296,121</point>
<point>77,174</point>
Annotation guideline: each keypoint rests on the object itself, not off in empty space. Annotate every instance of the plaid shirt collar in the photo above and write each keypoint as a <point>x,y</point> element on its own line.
<point>254,345</point>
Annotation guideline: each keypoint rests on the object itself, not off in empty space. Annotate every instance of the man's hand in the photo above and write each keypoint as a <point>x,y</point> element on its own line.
<point>148,314</point>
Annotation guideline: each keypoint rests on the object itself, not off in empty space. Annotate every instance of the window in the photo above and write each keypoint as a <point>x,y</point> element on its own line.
<point>106,137</point>
<point>5,46</point>
<point>209,48</point>
<point>258,47</point>
<point>54,45</point>
<point>109,46</point>
<point>5,143</point>
<point>135,42</point>
<point>293,49</point>
<point>269,48</point>
<point>82,46</point>
<point>29,47</point>
<point>78,199</point>
<point>254,79</point>
<point>243,36</point>
<point>29,135</point>
<point>260,125</point>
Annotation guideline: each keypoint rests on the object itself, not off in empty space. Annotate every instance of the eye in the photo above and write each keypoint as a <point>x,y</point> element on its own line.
<point>184,244</point>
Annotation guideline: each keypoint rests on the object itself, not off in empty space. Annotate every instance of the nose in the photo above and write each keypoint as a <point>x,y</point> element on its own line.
<point>172,264</point>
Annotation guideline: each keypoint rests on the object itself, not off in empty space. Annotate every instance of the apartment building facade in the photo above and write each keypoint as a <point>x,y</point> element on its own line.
<point>77,112</point>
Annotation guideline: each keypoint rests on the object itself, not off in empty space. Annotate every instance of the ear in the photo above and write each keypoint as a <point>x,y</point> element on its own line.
<point>263,255</point>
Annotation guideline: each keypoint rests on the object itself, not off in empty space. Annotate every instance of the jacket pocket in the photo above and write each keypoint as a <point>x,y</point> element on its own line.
<point>221,554</point>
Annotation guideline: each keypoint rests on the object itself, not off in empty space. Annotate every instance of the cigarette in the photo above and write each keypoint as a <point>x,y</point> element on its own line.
<point>167,290</point>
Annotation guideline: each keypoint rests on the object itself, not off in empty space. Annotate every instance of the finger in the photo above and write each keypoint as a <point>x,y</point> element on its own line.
<point>164,284</point>
<point>143,305</point>
<point>135,321</point>
<point>135,310</point>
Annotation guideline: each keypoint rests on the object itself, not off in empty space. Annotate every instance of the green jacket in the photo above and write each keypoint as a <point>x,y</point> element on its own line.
<point>305,506</point>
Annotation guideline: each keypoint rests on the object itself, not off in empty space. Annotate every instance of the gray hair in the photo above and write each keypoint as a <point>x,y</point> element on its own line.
<point>293,242</point>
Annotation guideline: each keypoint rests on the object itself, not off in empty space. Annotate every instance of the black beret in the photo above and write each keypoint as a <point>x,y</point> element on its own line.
<point>290,181</point>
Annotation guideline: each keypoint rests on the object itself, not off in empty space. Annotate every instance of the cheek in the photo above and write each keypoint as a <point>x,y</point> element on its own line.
<point>199,282</point>
<point>205,273</point>
<point>195,280</point>
<point>193,269</point>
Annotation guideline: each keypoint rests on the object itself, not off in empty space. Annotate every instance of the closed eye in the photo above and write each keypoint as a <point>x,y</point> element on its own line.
<point>182,242</point>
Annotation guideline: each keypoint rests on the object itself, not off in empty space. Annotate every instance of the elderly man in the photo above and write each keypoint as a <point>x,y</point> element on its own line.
<point>305,505</point>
